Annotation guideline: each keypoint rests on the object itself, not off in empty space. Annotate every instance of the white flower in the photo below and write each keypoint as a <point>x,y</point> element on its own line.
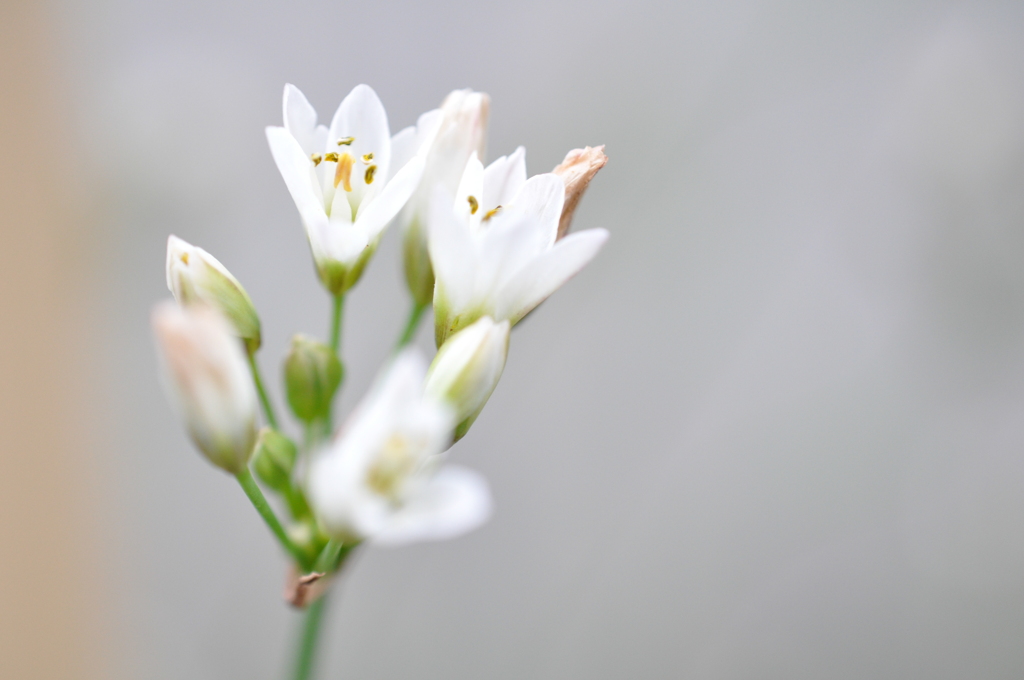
<point>342,179</point>
<point>457,129</point>
<point>497,253</point>
<point>381,478</point>
<point>193,275</point>
<point>467,369</point>
<point>208,381</point>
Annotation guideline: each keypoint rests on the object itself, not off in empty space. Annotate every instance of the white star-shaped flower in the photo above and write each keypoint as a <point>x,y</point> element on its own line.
<point>342,179</point>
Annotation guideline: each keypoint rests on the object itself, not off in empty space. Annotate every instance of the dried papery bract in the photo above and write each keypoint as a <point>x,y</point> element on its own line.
<point>458,129</point>
<point>577,170</point>
<point>196,276</point>
<point>467,369</point>
<point>382,480</point>
<point>207,379</point>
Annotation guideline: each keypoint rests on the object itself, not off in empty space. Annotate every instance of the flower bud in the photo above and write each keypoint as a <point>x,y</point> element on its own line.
<point>463,130</point>
<point>206,376</point>
<point>578,168</point>
<point>467,369</point>
<point>312,374</point>
<point>274,459</point>
<point>193,275</point>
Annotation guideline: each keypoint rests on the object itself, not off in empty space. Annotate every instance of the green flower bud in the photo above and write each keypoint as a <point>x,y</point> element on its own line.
<point>274,459</point>
<point>193,275</point>
<point>312,374</point>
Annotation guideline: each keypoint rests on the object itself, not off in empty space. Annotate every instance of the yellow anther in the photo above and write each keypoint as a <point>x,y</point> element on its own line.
<point>369,174</point>
<point>474,205</point>
<point>184,258</point>
<point>332,156</point>
<point>346,141</point>
<point>316,158</point>
<point>343,173</point>
<point>367,157</point>
<point>491,213</point>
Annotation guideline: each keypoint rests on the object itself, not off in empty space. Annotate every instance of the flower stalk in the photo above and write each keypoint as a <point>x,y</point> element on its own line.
<point>259,501</point>
<point>257,379</point>
<point>412,324</point>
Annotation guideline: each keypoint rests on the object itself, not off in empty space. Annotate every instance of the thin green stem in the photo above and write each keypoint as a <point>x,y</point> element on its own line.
<point>415,314</point>
<point>259,501</point>
<point>305,655</point>
<point>339,308</point>
<point>338,312</point>
<point>268,408</point>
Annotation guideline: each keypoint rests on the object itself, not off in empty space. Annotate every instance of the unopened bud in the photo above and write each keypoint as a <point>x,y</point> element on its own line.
<point>206,376</point>
<point>193,275</point>
<point>578,168</point>
<point>467,369</point>
<point>312,374</point>
<point>462,131</point>
<point>274,459</point>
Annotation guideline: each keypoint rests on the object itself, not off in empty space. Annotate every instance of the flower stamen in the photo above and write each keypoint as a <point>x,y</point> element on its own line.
<point>346,141</point>
<point>367,157</point>
<point>491,213</point>
<point>316,158</point>
<point>368,177</point>
<point>343,174</point>
<point>474,205</point>
<point>332,157</point>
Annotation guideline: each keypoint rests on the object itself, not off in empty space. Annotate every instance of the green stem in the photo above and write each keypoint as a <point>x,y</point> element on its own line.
<point>330,561</point>
<point>339,308</point>
<point>259,501</point>
<point>305,655</point>
<point>268,408</point>
<point>415,314</point>
<point>336,316</point>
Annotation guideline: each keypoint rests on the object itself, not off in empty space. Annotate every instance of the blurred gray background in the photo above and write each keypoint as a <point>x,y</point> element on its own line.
<point>775,430</point>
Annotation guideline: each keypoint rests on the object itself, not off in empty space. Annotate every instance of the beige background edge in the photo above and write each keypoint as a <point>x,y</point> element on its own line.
<point>52,623</point>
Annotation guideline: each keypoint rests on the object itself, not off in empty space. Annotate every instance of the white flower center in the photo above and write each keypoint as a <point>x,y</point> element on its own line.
<point>393,465</point>
<point>344,167</point>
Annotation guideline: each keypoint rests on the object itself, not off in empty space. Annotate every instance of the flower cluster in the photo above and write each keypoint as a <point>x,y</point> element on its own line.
<point>482,245</point>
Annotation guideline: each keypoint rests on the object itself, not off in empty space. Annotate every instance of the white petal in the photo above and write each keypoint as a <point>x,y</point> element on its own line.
<point>453,252</point>
<point>455,501</point>
<point>300,119</point>
<point>415,139</point>
<point>362,116</point>
<point>510,242</point>
<point>404,146</point>
<point>295,167</point>
<point>534,283</point>
<point>427,127</point>
<point>374,215</point>
<point>504,178</point>
<point>471,189</point>
<point>542,196</point>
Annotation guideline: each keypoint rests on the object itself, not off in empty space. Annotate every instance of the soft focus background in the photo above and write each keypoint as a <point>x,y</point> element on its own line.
<point>775,430</point>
